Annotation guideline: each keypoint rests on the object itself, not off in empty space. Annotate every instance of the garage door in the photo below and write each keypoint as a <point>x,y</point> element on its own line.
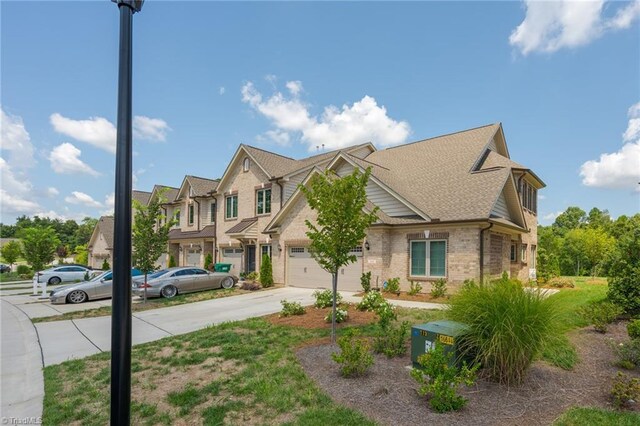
<point>193,258</point>
<point>304,271</point>
<point>233,256</point>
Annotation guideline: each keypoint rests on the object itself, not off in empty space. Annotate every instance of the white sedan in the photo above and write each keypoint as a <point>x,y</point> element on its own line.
<point>58,274</point>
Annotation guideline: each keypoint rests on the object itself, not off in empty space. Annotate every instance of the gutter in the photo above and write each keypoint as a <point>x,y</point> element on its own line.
<point>482,250</point>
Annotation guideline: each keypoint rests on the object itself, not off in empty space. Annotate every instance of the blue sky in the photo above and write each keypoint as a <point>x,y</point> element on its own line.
<point>562,77</point>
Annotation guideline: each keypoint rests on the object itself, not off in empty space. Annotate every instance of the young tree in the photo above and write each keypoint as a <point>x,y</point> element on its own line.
<point>11,252</point>
<point>39,246</point>
<point>150,234</point>
<point>624,288</point>
<point>82,255</point>
<point>341,223</point>
<point>266,271</point>
<point>61,252</point>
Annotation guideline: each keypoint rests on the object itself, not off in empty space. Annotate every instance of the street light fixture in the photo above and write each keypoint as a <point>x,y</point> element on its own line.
<point>121,312</point>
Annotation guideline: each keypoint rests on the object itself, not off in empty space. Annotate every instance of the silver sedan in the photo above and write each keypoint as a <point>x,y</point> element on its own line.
<point>185,279</point>
<point>98,287</point>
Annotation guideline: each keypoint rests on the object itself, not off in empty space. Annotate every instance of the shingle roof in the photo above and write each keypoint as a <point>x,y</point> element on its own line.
<point>170,194</point>
<point>141,196</point>
<point>208,231</point>
<point>242,225</point>
<point>435,174</point>
<point>495,160</point>
<point>105,227</point>
<point>202,186</point>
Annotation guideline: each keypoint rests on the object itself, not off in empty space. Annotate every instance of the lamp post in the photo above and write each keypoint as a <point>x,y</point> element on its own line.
<point>121,312</point>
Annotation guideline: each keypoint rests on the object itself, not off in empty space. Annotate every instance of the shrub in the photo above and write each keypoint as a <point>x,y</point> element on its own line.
<point>86,277</point>
<point>415,288</point>
<point>439,379</point>
<point>439,288</point>
<point>341,315</point>
<point>600,314</point>
<point>625,389</point>
<point>266,271</point>
<point>172,262</point>
<point>354,355</point>
<point>324,298</point>
<point>208,261</point>
<point>365,282</point>
<point>507,326</point>
<point>23,270</point>
<point>250,286</point>
<point>291,308</point>
<point>370,301</point>
<point>252,276</point>
<point>628,354</point>
<point>633,328</point>
<point>386,314</point>
<point>392,340</point>
<point>105,265</point>
<point>559,282</point>
<point>624,271</point>
<point>393,286</point>
<point>468,283</point>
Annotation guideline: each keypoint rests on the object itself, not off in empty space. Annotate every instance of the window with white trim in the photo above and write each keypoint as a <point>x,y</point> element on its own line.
<point>265,249</point>
<point>246,164</point>
<point>533,255</point>
<point>293,250</point>
<point>523,253</point>
<point>263,201</point>
<point>428,258</point>
<point>529,197</point>
<point>231,207</point>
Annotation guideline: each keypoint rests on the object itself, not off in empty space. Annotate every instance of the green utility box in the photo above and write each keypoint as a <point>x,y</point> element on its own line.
<point>222,267</point>
<point>425,336</point>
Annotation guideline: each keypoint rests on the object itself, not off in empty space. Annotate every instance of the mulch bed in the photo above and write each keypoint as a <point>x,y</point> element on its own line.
<point>387,394</point>
<point>420,297</point>
<point>314,318</point>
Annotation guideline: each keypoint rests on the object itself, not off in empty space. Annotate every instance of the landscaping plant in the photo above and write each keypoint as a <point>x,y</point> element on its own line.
<point>341,316</point>
<point>172,262</point>
<point>633,328</point>
<point>386,313</point>
<point>439,379</point>
<point>251,276</point>
<point>371,301</point>
<point>105,265</point>
<point>559,282</point>
<point>365,281</point>
<point>208,261</point>
<point>291,308</point>
<point>10,252</point>
<point>600,314</point>
<point>414,288</point>
<point>355,356</point>
<point>324,298</point>
<point>507,326</point>
<point>266,271</point>
<point>628,354</point>
<point>624,271</point>
<point>439,288</point>
<point>392,339</point>
<point>23,270</point>
<point>39,246</point>
<point>625,389</point>
<point>393,286</point>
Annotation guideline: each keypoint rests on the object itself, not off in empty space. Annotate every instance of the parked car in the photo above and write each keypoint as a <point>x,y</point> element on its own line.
<point>99,287</point>
<point>59,274</point>
<point>185,279</point>
<point>4,268</point>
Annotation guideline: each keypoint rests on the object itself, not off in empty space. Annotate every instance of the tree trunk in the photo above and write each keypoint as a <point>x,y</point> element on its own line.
<point>333,319</point>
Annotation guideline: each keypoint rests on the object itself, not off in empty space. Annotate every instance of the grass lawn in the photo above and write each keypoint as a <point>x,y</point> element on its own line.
<point>9,277</point>
<point>234,373</point>
<point>597,417</point>
<point>159,302</point>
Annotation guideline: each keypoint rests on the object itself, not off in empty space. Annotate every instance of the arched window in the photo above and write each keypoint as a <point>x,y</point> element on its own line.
<point>245,164</point>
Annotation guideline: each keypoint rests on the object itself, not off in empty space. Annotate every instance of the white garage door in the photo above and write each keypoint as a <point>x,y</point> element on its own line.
<point>193,258</point>
<point>233,256</point>
<point>304,271</point>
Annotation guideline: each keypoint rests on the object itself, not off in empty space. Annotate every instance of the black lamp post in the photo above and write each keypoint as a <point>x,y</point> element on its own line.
<point>121,312</point>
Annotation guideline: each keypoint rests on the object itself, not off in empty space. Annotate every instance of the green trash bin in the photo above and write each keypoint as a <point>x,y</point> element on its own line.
<point>222,267</point>
<point>425,336</point>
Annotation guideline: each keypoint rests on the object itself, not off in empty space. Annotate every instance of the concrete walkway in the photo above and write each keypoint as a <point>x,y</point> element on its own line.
<point>22,382</point>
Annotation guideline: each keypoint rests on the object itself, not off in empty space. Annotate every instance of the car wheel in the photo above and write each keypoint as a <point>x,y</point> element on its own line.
<point>227,282</point>
<point>54,280</point>
<point>169,291</point>
<point>77,296</point>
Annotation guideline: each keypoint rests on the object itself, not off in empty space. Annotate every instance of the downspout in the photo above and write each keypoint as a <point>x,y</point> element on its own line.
<point>277,181</point>
<point>482,250</point>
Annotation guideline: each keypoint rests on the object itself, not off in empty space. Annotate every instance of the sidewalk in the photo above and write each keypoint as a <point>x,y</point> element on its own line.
<point>22,382</point>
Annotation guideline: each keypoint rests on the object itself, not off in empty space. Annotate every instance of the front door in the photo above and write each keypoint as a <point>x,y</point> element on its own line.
<point>249,258</point>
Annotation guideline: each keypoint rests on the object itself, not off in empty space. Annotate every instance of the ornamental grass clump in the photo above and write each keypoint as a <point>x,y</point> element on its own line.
<point>507,326</point>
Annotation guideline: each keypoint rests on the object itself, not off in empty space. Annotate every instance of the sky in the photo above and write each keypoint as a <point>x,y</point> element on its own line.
<point>294,78</point>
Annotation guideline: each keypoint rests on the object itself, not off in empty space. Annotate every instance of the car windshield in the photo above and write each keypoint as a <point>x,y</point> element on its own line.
<point>101,276</point>
<point>157,274</point>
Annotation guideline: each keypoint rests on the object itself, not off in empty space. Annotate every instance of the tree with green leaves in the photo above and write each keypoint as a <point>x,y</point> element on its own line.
<point>571,218</point>
<point>208,261</point>
<point>11,252</point>
<point>341,223</point>
<point>624,273</point>
<point>82,255</point>
<point>150,234</point>
<point>266,271</point>
<point>39,246</point>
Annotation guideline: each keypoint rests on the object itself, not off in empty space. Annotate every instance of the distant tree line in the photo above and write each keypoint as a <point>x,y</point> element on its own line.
<point>581,243</point>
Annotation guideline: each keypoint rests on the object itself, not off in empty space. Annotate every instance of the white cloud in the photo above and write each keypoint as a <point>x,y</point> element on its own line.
<point>15,139</point>
<point>279,137</point>
<point>81,198</point>
<point>52,192</point>
<point>620,169</point>
<point>96,131</point>
<point>152,129</point>
<point>221,90</point>
<point>552,25</point>
<point>360,122</point>
<point>552,216</point>
<point>65,159</point>
<point>15,192</point>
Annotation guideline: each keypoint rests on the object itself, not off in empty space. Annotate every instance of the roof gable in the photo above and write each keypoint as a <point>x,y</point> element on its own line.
<point>194,186</point>
<point>104,227</point>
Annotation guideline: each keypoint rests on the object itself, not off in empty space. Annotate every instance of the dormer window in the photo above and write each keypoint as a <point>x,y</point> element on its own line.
<point>245,164</point>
